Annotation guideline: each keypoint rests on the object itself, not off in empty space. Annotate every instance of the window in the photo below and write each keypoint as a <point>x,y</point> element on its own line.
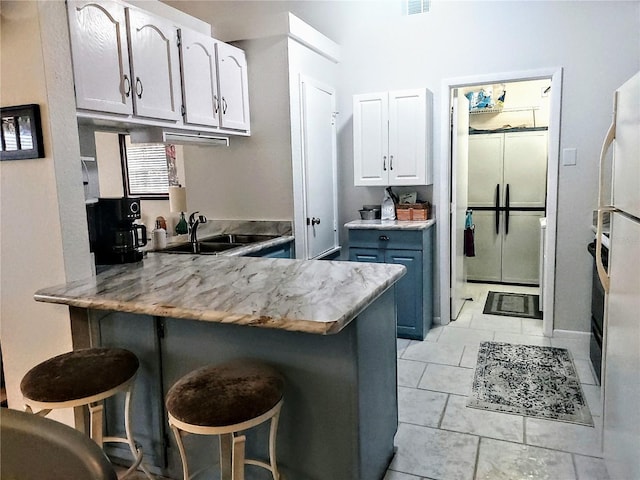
<point>145,169</point>
<point>417,6</point>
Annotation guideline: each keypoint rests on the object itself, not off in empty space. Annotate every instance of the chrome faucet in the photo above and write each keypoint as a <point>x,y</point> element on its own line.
<point>193,230</point>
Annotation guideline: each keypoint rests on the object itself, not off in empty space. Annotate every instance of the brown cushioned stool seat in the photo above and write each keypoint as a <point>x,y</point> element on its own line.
<point>223,400</point>
<point>81,378</point>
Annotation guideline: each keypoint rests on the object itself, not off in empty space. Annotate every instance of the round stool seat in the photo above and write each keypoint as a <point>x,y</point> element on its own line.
<point>227,394</point>
<point>81,374</point>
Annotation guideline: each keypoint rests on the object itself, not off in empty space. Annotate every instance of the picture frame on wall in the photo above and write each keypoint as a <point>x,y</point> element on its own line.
<point>21,133</point>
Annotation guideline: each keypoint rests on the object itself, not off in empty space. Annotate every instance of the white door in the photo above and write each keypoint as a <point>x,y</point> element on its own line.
<point>459,187</point>
<point>199,79</point>
<point>318,103</point>
<point>407,163</point>
<point>233,86</point>
<point>155,66</point>
<point>371,139</point>
<point>98,37</point>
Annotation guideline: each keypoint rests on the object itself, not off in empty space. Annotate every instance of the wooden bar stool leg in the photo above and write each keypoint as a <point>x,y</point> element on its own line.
<point>96,411</point>
<point>226,456</point>
<point>237,469</point>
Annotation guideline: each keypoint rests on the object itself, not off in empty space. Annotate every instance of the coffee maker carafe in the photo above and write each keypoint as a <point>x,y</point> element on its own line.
<point>117,238</point>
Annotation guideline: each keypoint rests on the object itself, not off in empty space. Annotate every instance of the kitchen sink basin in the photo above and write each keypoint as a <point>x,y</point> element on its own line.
<point>203,247</point>
<point>239,238</point>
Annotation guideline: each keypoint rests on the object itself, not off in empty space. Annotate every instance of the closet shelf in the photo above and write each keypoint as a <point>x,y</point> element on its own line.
<point>476,111</point>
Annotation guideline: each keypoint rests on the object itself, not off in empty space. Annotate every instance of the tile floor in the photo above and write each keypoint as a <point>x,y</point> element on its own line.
<point>440,438</point>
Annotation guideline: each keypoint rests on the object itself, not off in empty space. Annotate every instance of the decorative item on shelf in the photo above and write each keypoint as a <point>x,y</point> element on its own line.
<point>388,205</point>
<point>178,203</point>
<point>413,211</point>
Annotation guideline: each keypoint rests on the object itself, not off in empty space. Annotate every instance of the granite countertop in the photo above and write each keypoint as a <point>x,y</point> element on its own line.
<point>390,224</point>
<point>313,296</point>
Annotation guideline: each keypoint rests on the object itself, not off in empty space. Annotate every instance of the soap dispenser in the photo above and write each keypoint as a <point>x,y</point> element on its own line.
<point>181,227</point>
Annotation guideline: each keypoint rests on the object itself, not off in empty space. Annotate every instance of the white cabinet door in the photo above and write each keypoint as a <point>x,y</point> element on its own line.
<point>100,57</point>
<point>155,66</point>
<point>199,78</point>
<point>485,175</point>
<point>487,264</point>
<point>521,247</point>
<point>390,138</point>
<point>407,137</point>
<point>525,168</point>
<point>233,87</point>
<point>370,139</point>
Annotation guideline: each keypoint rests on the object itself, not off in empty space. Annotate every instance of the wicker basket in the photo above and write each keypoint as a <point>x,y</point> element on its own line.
<point>412,211</point>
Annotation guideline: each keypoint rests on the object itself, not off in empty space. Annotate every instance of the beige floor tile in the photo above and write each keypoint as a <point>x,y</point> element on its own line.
<point>568,437</point>
<point>420,407</point>
<point>447,378</point>
<point>460,418</point>
<point>448,354</point>
<point>498,460</point>
<point>410,372</point>
<point>429,452</point>
<point>590,468</point>
<point>464,336</point>
<point>522,339</point>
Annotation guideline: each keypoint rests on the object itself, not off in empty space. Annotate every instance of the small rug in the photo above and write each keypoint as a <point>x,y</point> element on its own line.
<point>513,305</point>
<point>529,380</point>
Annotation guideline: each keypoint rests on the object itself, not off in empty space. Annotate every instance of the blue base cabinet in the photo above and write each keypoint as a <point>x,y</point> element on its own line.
<point>413,249</point>
<point>279,251</point>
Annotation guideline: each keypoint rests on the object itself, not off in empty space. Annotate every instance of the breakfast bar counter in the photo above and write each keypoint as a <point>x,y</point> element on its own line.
<point>329,327</point>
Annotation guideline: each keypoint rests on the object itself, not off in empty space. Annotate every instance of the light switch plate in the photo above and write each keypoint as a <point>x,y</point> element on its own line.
<point>569,156</point>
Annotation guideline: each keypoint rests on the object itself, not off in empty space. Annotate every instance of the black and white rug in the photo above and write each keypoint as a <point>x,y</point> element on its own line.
<point>529,380</point>
<point>513,305</point>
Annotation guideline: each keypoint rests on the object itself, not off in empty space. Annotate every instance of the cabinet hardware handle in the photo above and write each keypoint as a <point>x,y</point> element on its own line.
<point>315,221</point>
<point>140,89</point>
<point>390,162</point>
<point>216,104</point>
<point>127,86</point>
<point>384,163</point>
<point>383,238</point>
<point>224,106</point>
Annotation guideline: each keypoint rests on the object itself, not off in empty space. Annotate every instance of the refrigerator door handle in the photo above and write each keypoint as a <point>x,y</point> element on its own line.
<point>506,211</point>
<point>497,209</point>
<point>602,273</point>
<point>608,141</point>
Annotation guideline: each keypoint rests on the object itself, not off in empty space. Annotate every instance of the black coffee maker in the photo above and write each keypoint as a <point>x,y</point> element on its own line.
<point>113,237</point>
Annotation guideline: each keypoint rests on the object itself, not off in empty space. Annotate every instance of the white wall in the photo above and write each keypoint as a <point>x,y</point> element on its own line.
<point>597,44</point>
<point>43,237</point>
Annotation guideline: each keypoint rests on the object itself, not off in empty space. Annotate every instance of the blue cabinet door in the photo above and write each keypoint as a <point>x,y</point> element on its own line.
<point>409,298</point>
<point>371,255</point>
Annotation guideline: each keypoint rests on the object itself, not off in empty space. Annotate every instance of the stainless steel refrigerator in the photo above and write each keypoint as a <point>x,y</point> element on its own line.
<point>621,384</point>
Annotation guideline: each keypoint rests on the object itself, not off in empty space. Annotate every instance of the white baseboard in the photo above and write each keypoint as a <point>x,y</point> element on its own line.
<point>572,334</point>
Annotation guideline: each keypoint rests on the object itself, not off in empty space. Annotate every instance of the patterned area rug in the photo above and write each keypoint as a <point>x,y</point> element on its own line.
<point>529,380</point>
<point>512,305</point>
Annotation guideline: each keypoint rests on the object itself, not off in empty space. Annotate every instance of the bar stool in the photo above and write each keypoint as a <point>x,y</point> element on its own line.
<point>224,400</point>
<point>81,378</point>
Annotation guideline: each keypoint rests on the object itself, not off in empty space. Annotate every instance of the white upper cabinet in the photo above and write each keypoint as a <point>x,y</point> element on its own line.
<point>391,135</point>
<point>98,36</point>
<point>155,66</point>
<point>233,87</point>
<point>151,70</point>
<point>199,79</point>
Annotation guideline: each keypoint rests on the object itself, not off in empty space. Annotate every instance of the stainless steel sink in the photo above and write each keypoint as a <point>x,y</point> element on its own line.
<point>203,247</point>
<point>239,238</point>
<point>219,243</point>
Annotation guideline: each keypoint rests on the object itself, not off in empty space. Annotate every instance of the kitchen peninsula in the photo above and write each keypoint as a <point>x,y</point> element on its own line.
<point>329,327</point>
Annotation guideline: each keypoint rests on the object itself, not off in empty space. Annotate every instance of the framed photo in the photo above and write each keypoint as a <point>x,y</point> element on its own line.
<point>21,133</point>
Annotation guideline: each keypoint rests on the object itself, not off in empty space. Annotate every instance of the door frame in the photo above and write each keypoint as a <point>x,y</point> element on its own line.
<point>443,208</point>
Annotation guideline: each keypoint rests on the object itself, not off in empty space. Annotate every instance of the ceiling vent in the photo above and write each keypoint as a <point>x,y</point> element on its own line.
<point>417,6</point>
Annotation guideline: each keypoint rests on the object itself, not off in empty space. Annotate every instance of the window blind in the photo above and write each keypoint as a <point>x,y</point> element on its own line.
<point>147,171</point>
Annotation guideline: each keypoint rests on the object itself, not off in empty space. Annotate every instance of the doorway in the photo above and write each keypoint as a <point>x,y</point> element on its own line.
<point>549,82</point>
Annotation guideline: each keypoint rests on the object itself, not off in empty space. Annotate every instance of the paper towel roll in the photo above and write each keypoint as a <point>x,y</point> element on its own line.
<point>178,199</point>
